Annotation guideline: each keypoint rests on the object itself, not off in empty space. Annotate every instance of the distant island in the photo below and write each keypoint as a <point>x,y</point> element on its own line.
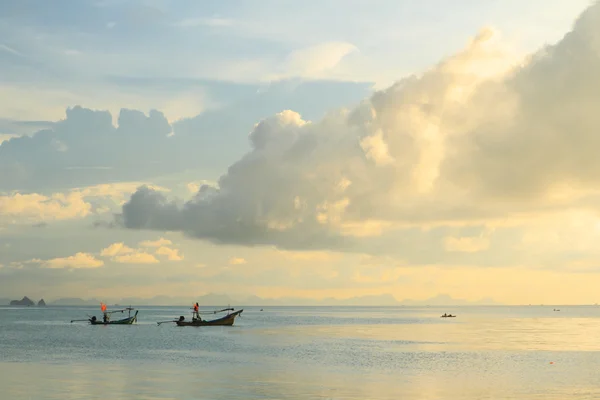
<point>25,301</point>
<point>213,299</point>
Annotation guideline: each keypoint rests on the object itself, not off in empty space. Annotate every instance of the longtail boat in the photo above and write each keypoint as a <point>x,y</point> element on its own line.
<point>125,321</point>
<point>106,317</point>
<point>223,321</point>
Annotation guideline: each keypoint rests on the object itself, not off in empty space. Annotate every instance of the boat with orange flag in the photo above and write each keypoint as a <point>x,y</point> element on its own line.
<point>106,317</point>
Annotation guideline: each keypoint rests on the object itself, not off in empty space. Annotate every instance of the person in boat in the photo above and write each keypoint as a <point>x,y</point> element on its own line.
<point>197,312</point>
<point>104,313</point>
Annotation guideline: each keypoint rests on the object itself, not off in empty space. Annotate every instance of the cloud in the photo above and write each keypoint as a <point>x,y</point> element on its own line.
<point>193,187</point>
<point>481,139</point>
<point>116,249</point>
<point>91,146</point>
<point>318,60</point>
<point>354,174</point>
<point>78,261</point>
<point>121,253</point>
<point>6,136</point>
<point>10,128</point>
<point>172,254</point>
<point>34,207</point>
<point>237,261</point>
<point>38,209</point>
<point>135,258</point>
<point>162,248</point>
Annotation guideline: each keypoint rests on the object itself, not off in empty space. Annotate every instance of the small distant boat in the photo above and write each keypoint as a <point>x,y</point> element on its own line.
<point>106,317</point>
<point>227,320</point>
<point>448,316</point>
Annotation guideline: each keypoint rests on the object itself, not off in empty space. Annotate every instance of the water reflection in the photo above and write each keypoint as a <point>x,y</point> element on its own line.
<point>170,381</point>
<point>548,334</point>
<point>292,354</point>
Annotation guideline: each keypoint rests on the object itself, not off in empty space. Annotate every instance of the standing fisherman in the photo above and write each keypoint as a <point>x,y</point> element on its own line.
<point>196,312</point>
<point>105,316</point>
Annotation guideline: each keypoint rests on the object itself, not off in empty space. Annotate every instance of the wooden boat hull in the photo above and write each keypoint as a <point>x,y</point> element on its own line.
<point>225,321</point>
<point>124,321</point>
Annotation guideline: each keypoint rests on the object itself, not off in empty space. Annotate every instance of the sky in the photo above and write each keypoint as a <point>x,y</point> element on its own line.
<point>338,148</point>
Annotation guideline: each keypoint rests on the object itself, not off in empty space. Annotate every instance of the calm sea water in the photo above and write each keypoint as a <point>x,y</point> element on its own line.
<point>528,352</point>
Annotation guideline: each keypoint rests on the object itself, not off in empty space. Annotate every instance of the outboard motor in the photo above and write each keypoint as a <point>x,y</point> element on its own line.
<point>181,318</point>
<point>93,319</point>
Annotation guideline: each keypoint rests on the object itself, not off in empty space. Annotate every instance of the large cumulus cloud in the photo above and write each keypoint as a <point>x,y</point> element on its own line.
<point>88,147</point>
<point>480,137</point>
<point>85,148</point>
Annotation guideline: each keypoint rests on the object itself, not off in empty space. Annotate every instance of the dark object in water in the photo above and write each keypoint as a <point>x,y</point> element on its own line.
<point>448,316</point>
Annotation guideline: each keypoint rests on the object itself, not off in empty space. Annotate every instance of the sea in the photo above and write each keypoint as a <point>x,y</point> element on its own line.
<point>499,352</point>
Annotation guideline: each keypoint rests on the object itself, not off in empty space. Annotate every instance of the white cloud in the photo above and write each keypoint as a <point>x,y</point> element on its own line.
<point>48,102</point>
<point>354,173</point>
<point>172,254</point>
<point>77,261</point>
<point>34,207</point>
<point>473,141</point>
<point>136,258</point>
<point>163,248</point>
<point>121,253</point>
<point>116,249</point>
